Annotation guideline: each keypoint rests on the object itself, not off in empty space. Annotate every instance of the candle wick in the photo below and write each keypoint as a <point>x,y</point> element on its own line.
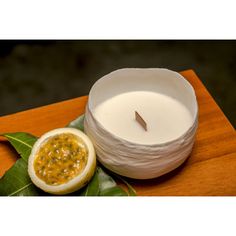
<point>140,120</point>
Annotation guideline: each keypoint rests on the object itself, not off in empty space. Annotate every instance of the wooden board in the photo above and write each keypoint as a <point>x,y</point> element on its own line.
<point>210,169</point>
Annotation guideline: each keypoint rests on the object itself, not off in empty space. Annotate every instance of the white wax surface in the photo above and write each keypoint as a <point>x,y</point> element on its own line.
<point>166,118</point>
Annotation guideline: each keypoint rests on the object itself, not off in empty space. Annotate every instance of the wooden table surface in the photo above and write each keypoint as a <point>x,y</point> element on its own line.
<point>210,169</point>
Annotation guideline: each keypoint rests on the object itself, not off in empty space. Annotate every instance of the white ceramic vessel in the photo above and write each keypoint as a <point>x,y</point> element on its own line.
<point>168,104</point>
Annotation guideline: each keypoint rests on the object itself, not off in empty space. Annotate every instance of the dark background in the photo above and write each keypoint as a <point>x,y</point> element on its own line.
<point>36,73</point>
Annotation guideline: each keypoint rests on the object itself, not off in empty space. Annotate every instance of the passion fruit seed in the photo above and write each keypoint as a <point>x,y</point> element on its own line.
<point>60,159</point>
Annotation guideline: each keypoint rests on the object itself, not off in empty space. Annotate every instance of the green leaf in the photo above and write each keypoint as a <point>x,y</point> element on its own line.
<point>131,190</point>
<point>114,191</point>
<point>16,181</point>
<point>107,185</point>
<point>22,142</point>
<point>105,181</point>
<point>102,185</point>
<point>92,189</point>
<point>77,123</point>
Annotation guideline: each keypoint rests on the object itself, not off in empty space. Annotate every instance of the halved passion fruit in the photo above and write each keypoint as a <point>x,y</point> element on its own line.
<point>62,161</point>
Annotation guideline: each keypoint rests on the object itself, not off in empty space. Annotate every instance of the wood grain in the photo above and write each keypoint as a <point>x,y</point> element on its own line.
<point>209,171</point>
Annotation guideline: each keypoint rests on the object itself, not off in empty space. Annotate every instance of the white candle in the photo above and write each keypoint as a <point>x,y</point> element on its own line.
<point>164,100</point>
<point>166,117</point>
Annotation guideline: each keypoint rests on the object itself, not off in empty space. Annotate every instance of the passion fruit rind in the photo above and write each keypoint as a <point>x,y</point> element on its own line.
<point>78,181</point>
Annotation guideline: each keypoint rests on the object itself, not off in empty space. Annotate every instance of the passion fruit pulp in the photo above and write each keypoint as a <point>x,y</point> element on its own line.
<point>62,161</point>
